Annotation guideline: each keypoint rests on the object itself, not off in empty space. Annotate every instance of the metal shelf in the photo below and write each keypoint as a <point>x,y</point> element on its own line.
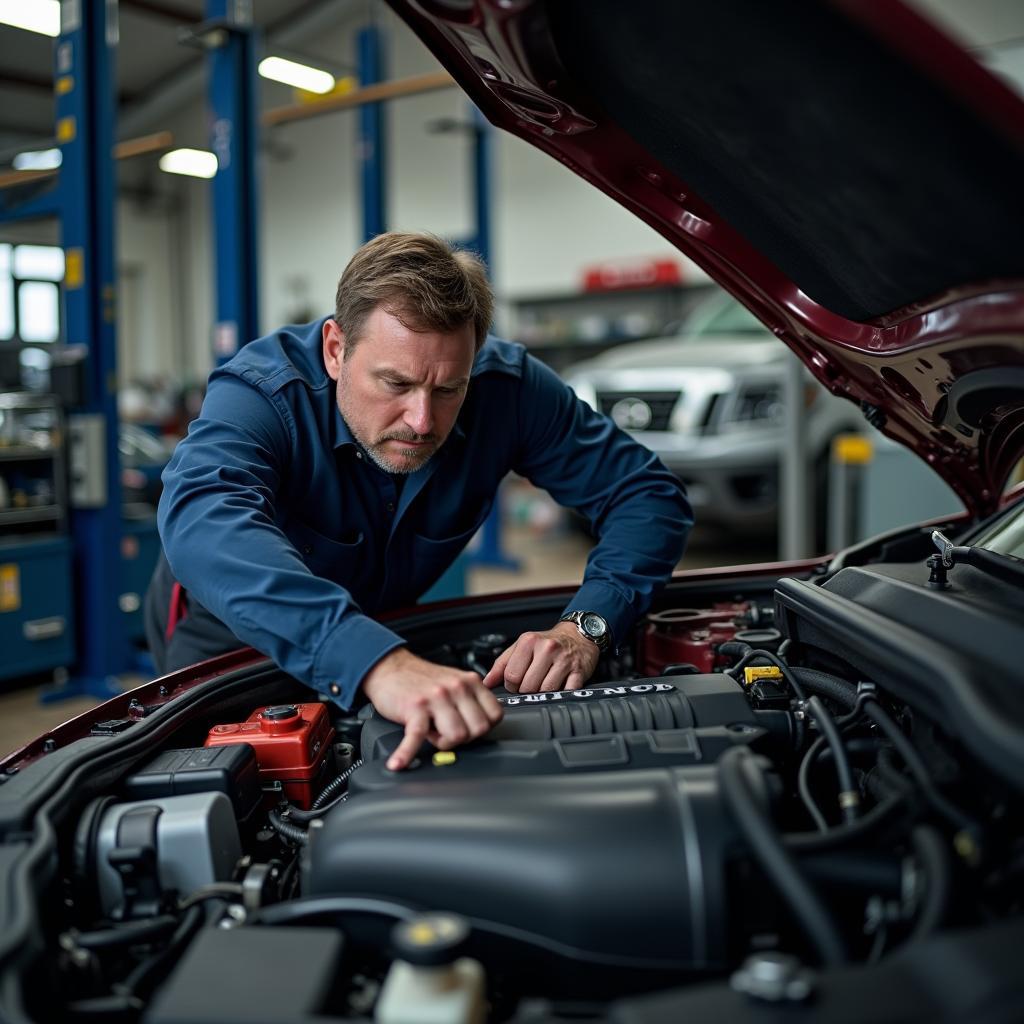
<point>38,513</point>
<point>23,453</point>
<point>28,401</point>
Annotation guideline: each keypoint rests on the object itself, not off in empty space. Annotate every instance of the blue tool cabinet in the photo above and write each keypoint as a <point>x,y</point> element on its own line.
<point>36,611</point>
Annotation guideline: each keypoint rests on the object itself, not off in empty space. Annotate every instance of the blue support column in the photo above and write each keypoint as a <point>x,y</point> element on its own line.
<point>371,144</point>
<point>489,551</point>
<point>234,138</point>
<point>86,111</point>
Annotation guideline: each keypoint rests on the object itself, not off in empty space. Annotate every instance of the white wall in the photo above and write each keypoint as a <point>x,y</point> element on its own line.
<point>150,321</point>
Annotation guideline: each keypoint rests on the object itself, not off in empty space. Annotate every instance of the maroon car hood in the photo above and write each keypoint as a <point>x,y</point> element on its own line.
<point>845,170</point>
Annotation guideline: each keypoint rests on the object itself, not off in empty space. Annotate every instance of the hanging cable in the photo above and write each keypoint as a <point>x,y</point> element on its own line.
<point>778,864</point>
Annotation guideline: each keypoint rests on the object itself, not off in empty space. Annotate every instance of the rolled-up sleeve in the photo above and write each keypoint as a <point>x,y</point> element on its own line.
<point>218,526</point>
<point>638,509</point>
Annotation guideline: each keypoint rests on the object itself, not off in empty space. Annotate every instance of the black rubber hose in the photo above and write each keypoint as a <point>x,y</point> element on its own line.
<point>148,971</point>
<point>125,934</point>
<point>303,909</point>
<point>214,891</point>
<point>776,861</point>
<point>884,813</point>
<point>803,784</point>
<point>858,869</point>
<point>287,829</point>
<point>917,767</point>
<point>735,649</point>
<point>933,854</point>
<point>840,690</point>
<point>889,776</point>
<point>849,796</point>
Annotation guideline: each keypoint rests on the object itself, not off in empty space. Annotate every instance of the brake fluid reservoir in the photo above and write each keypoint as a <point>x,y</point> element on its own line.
<point>291,741</point>
<point>428,983</point>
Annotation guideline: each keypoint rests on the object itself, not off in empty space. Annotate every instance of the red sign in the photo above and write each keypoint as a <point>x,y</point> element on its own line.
<point>607,277</point>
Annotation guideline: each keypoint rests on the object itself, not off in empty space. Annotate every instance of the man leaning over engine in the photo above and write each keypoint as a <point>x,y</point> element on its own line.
<point>338,468</point>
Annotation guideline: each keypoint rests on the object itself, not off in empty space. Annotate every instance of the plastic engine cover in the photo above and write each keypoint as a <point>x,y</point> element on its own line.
<point>654,706</point>
<point>627,869</point>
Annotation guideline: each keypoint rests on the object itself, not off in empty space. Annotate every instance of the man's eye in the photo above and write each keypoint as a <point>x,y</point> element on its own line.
<point>394,385</point>
<point>449,392</point>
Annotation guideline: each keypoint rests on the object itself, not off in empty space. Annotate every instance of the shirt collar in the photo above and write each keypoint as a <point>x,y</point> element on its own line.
<point>340,434</point>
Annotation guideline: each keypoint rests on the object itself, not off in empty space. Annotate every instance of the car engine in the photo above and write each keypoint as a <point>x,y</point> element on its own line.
<point>732,800</point>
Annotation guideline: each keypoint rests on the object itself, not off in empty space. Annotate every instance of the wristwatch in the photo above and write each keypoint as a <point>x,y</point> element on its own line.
<point>592,626</point>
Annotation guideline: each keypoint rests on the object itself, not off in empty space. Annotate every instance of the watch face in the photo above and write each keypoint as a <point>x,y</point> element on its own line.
<point>594,625</point>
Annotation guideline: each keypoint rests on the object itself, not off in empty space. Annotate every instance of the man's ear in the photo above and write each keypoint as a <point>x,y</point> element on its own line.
<point>334,348</point>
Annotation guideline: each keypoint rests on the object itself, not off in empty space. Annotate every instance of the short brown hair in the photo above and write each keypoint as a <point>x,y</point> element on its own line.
<point>418,278</point>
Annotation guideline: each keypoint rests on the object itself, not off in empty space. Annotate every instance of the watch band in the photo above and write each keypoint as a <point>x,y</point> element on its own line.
<point>591,625</point>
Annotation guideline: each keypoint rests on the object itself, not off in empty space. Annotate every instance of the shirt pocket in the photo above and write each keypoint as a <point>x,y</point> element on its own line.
<point>432,555</point>
<point>339,560</point>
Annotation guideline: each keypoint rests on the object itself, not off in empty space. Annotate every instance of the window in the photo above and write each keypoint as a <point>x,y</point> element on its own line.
<point>30,277</point>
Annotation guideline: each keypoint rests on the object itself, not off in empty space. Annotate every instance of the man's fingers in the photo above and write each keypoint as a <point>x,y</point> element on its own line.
<point>415,733</point>
<point>473,714</point>
<point>497,674</point>
<point>546,656</point>
<point>491,708</point>
<point>574,682</point>
<point>448,722</point>
<point>555,678</point>
<point>519,662</point>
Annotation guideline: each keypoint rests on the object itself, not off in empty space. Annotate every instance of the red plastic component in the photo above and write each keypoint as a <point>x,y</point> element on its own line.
<point>688,635</point>
<point>290,748</point>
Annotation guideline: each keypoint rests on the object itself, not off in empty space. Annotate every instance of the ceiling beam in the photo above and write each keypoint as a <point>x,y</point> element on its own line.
<point>182,87</point>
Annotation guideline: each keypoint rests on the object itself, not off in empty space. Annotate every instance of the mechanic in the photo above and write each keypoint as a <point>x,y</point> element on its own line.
<point>338,468</point>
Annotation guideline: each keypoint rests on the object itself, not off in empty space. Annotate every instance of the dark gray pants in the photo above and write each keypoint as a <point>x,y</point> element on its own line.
<point>196,636</point>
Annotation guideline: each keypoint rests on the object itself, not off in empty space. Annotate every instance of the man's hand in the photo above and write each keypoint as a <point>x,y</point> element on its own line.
<point>433,702</point>
<point>557,659</point>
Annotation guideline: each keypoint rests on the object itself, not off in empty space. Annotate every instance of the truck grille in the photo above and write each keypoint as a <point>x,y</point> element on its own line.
<point>639,410</point>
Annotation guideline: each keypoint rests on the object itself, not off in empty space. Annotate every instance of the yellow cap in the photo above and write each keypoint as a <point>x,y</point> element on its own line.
<point>852,449</point>
<point>752,673</point>
<point>443,757</point>
<point>422,933</point>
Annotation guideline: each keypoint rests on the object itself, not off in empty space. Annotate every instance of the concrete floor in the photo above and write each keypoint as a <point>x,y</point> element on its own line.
<point>545,559</point>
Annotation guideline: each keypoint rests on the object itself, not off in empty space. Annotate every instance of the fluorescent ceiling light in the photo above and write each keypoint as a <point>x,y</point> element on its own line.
<point>41,160</point>
<point>297,75</point>
<point>41,16</point>
<point>196,162</point>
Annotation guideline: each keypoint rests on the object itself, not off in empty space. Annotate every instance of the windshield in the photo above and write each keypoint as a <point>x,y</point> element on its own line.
<point>1006,537</point>
<point>723,316</point>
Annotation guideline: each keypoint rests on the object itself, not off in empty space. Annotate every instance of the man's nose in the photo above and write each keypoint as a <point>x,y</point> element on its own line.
<point>419,415</point>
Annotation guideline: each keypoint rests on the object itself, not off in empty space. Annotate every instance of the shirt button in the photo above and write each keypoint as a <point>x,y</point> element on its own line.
<point>359,455</point>
<point>391,506</point>
<point>335,689</point>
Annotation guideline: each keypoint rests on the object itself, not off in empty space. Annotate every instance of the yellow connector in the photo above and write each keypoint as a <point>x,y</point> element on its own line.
<point>752,673</point>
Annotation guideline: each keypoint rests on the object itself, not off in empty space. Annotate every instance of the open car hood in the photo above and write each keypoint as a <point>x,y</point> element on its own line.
<point>844,169</point>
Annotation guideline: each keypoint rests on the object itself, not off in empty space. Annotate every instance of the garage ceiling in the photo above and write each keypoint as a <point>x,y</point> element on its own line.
<point>151,62</point>
<point>158,76</point>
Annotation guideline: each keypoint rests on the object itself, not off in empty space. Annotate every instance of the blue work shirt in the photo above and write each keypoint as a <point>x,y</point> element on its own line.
<point>279,524</point>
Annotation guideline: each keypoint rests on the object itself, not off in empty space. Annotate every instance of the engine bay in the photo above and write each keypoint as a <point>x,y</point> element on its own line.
<point>732,800</point>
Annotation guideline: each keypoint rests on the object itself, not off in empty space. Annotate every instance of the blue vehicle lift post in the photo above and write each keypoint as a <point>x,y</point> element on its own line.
<point>234,139</point>
<point>83,201</point>
<point>371,144</point>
